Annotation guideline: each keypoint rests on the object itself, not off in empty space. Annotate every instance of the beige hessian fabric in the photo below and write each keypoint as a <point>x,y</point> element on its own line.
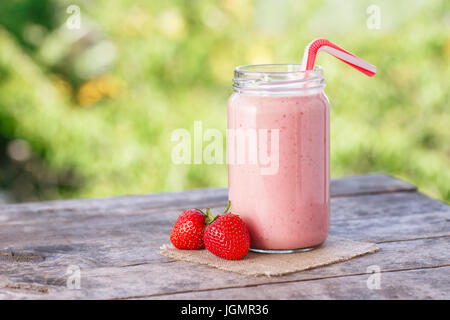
<point>257,264</point>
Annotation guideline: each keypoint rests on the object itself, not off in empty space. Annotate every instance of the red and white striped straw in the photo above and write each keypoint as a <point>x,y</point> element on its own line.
<point>317,45</point>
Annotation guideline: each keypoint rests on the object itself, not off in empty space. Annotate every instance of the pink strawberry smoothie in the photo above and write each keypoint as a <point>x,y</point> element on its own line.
<point>290,208</point>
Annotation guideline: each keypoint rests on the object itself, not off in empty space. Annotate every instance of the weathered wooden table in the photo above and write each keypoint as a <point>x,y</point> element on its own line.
<point>108,249</point>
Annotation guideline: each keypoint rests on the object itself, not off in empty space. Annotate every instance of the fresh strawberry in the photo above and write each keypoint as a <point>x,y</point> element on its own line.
<point>227,236</point>
<point>187,233</point>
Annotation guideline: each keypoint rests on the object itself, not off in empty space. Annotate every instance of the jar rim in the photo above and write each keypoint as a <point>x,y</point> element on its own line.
<point>281,78</point>
<point>246,69</point>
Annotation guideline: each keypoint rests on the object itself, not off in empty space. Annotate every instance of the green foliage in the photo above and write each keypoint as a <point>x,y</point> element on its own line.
<point>101,103</point>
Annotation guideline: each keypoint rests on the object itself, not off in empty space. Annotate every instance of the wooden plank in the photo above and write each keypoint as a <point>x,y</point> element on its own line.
<point>419,284</point>
<point>121,206</point>
<point>397,203</point>
<point>367,184</point>
<point>142,204</point>
<point>101,240</point>
<point>395,228</point>
<point>152,280</point>
<point>119,252</point>
<point>116,246</point>
<point>383,205</point>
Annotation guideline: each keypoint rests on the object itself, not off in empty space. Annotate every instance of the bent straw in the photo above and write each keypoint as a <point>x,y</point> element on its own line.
<point>317,45</point>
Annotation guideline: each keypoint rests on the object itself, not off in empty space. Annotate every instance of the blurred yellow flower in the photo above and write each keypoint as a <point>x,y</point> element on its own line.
<point>171,23</point>
<point>94,90</point>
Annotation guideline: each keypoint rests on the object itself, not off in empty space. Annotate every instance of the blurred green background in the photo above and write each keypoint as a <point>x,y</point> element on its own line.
<point>89,112</point>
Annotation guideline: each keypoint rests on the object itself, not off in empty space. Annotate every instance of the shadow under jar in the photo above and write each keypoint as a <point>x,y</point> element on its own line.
<point>278,156</point>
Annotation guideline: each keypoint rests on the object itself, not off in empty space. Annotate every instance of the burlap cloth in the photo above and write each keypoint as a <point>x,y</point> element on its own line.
<point>277,264</point>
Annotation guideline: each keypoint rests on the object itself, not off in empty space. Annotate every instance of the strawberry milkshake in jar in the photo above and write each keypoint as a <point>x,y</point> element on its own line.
<point>278,156</point>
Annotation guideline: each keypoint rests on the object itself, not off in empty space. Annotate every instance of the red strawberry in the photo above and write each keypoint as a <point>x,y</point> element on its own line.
<point>227,237</point>
<point>187,233</point>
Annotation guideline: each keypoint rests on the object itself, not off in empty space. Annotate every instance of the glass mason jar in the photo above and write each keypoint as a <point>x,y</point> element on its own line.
<point>278,156</point>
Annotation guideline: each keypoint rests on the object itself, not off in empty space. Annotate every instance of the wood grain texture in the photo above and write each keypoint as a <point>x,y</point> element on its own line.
<point>406,284</point>
<point>134,204</point>
<point>103,240</point>
<point>367,184</point>
<point>115,242</point>
<point>159,279</point>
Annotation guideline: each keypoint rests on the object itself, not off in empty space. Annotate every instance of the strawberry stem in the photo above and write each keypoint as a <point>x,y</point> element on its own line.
<point>209,217</point>
<point>201,211</point>
<point>228,207</point>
